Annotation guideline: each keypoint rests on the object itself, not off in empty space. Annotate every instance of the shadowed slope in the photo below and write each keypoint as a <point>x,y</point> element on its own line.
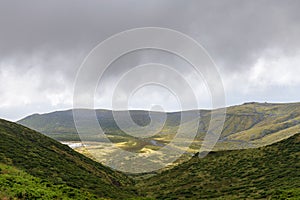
<point>271,171</point>
<point>48,159</point>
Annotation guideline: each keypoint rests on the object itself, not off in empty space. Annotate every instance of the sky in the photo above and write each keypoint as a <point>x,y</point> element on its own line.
<point>255,46</point>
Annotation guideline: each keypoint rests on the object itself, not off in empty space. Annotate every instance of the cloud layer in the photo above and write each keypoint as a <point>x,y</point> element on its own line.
<point>255,45</point>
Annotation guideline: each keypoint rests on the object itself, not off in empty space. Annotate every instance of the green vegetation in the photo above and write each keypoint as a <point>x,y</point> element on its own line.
<point>49,160</point>
<point>257,157</point>
<point>16,183</point>
<point>247,126</point>
<point>263,173</point>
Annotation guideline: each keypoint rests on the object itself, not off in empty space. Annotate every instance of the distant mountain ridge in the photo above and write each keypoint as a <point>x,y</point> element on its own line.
<point>246,126</point>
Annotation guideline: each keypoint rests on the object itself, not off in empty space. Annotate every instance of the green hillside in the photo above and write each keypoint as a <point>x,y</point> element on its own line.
<point>33,166</point>
<point>60,124</point>
<point>50,161</point>
<point>271,172</point>
<point>15,183</point>
<point>246,126</point>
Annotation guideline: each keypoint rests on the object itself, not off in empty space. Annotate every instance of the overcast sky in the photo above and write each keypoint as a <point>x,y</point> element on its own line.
<point>255,45</point>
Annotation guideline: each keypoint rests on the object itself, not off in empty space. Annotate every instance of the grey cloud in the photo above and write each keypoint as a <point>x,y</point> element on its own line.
<point>234,32</point>
<point>237,32</point>
<point>54,36</point>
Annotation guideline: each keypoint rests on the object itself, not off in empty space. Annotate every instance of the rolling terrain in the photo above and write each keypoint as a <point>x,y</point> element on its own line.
<point>41,162</point>
<point>35,166</point>
<point>246,126</point>
<point>271,172</point>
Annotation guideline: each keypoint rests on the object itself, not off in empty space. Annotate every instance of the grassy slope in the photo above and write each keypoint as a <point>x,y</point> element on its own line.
<point>267,172</point>
<point>15,183</point>
<point>247,125</point>
<point>47,159</point>
<point>272,171</point>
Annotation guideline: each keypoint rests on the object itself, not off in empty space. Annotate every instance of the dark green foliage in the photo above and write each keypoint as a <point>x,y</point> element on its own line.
<point>263,173</point>
<point>50,160</point>
<point>15,183</point>
<point>267,172</point>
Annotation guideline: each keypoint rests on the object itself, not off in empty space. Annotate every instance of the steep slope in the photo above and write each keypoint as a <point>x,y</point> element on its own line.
<point>58,125</point>
<point>267,172</point>
<point>49,160</point>
<point>253,125</point>
<point>15,183</point>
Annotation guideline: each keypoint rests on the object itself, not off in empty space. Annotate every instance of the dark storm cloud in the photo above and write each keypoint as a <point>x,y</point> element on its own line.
<point>234,32</point>
<point>53,37</point>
